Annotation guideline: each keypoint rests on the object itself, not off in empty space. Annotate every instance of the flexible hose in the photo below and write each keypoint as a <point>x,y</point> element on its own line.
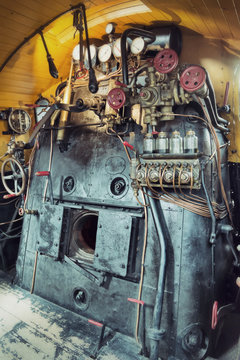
<point>155,332</point>
<point>136,32</point>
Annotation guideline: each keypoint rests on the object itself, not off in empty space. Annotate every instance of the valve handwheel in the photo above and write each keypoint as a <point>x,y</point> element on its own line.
<point>116,98</point>
<point>14,181</point>
<point>193,78</point>
<point>165,61</point>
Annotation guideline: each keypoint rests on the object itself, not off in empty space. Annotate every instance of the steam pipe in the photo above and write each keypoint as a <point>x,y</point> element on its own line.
<point>155,333</point>
<point>136,32</point>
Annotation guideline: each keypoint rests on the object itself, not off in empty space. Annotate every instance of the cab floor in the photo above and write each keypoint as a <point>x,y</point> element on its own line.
<point>33,328</point>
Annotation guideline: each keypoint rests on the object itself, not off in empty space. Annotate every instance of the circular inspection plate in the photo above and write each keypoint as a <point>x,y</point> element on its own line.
<point>165,61</point>
<point>193,78</point>
<point>118,186</point>
<point>116,98</point>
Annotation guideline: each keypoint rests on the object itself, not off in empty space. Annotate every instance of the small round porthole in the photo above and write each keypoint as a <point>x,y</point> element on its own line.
<point>69,184</point>
<point>118,186</point>
<point>81,298</point>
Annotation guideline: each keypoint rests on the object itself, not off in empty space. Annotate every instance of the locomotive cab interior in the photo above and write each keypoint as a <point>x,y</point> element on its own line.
<point>120,197</point>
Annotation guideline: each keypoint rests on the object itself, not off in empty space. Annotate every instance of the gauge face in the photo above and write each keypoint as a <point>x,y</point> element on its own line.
<point>137,46</point>
<point>19,121</point>
<point>93,54</point>
<point>105,53</point>
<point>110,28</point>
<point>76,53</point>
<point>117,48</point>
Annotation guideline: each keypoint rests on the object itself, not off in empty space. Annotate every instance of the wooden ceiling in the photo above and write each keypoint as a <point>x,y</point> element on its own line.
<point>26,75</point>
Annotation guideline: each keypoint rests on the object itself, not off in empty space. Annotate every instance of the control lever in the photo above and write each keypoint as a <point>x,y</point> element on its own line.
<point>93,84</point>
<point>52,68</point>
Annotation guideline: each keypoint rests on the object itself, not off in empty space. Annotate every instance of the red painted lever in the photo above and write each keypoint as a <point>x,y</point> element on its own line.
<point>128,145</point>
<point>141,302</point>
<point>42,173</point>
<point>118,83</point>
<point>32,105</point>
<point>9,196</point>
<point>214,315</point>
<point>95,323</point>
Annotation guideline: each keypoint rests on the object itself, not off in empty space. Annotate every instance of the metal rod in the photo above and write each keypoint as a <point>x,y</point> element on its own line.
<point>34,273</point>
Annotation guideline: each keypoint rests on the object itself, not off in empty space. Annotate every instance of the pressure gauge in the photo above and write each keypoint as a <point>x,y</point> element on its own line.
<point>19,121</point>
<point>117,48</point>
<point>76,53</point>
<point>105,53</point>
<point>138,45</point>
<point>110,28</point>
<point>93,55</point>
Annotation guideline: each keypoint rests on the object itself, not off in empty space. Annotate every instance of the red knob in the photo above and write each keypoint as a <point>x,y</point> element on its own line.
<point>165,61</point>
<point>116,98</point>
<point>128,145</point>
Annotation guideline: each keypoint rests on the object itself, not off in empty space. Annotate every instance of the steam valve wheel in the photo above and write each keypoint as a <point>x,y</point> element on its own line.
<point>14,181</point>
<point>193,78</point>
<point>165,61</point>
<point>116,98</point>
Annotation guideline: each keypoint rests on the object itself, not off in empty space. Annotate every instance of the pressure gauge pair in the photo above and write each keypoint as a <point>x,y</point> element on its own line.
<point>93,55</point>
<point>106,51</point>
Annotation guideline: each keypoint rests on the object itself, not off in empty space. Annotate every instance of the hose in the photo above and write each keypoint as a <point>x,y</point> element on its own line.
<point>136,32</point>
<point>155,333</point>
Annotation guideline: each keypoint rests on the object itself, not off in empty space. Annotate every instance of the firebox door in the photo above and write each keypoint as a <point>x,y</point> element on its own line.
<point>113,242</point>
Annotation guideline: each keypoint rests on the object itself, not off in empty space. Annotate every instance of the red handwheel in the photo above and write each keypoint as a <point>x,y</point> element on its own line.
<point>165,61</point>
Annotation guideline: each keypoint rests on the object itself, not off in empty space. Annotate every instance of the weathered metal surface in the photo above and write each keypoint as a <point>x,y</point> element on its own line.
<point>113,242</point>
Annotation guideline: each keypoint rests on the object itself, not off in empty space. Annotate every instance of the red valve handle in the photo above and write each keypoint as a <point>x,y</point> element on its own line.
<point>42,173</point>
<point>165,61</point>
<point>193,78</point>
<point>116,98</point>
<point>128,145</point>
<point>141,302</point>
<point>32,105</point>
<point>9,196</point>
<point>214,315</point>
<point>95,323</point>
<point>119,83</point>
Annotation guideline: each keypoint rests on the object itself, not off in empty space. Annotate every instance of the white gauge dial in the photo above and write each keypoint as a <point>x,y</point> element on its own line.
<point>117,48</point>
<point>110,28</point>
<point>76,53</point>
<point>105,53</point>
<point>138,46</point>
<point>93,55</point>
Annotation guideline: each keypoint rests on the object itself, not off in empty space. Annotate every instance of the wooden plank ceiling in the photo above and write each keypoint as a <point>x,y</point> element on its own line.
<point>26,75</point>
